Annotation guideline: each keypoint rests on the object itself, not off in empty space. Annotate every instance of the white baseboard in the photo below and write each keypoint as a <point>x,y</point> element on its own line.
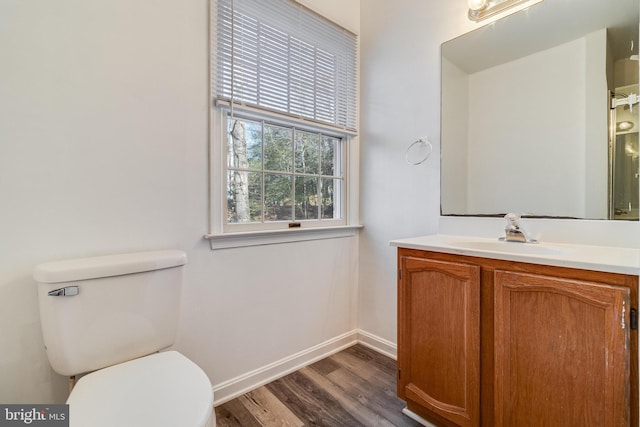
<point>378,344</point>
<point>416,417</point>
<point>242,384</point>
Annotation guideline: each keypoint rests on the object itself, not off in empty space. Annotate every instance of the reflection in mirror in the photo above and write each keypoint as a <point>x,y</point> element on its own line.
<point>624,154</point>
<point>540,113</point>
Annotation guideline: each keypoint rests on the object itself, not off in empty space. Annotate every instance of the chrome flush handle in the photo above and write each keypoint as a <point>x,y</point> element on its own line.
<point>68,291</point>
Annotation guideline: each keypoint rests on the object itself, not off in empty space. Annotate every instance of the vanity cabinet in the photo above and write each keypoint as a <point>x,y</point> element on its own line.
<point>484,342</point>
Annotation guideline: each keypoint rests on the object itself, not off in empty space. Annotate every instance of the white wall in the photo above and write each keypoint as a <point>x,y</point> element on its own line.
<point>400,102</point>
<point>344,13</point>
<point>597,128</point>
<point>103,149</point>
<point>454,163</point>
<point>510,150</point>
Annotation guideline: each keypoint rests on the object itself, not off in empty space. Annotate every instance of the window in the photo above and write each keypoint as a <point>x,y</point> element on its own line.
<point>284,96</point>
<point>282,173</point>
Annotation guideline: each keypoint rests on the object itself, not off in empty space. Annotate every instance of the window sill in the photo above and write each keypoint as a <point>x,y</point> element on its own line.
<point>272,237</point>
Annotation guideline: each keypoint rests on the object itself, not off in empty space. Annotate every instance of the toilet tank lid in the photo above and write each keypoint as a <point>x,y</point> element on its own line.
<point>71,270</point>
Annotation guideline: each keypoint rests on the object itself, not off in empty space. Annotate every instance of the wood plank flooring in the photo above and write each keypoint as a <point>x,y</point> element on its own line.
<point>355,387</point>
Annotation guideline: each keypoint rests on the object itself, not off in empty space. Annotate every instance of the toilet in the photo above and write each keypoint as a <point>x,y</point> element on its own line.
<point>107,318</point>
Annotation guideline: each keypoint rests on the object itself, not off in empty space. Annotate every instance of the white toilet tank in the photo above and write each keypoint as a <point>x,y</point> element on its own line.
<point>100,311</point>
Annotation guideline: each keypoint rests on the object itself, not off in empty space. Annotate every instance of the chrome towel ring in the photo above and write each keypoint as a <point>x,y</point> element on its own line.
<point>419,151</point>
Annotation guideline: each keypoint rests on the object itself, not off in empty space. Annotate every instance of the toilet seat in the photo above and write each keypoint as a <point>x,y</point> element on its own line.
<point>161,390</point>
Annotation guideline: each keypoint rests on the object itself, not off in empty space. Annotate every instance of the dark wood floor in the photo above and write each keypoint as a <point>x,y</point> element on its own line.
<point>355,387</point>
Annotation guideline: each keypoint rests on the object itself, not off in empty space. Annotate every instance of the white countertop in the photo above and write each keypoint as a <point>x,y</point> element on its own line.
<point>600,258</point>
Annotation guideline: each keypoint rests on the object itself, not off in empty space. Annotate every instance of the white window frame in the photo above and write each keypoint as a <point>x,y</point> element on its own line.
<point>224,235</point>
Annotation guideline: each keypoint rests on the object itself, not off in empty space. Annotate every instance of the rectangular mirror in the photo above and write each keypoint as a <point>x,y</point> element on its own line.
<point>540,113</point>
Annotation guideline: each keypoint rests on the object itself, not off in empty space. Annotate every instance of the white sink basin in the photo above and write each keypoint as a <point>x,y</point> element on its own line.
<point>508,247</point>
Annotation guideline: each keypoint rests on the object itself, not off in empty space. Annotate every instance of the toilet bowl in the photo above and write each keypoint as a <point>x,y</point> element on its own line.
<point>161,390</point>
<point>109,319</point>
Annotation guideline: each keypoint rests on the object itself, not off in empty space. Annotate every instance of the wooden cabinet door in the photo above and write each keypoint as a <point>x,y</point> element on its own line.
<point>439,338</point>
<point>561,352</point>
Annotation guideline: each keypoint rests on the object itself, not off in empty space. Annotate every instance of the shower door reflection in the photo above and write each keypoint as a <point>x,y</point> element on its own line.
<point>624,163</point>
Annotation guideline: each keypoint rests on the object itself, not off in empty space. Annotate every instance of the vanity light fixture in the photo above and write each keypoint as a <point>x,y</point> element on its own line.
<point>482,9</point>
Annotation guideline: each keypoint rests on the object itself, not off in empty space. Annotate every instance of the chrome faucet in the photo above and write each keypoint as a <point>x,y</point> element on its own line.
<point>513,232</point>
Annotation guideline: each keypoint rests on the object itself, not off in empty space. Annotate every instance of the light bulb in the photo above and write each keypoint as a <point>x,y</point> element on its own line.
<point>478,4</point>
<point>624,126</point>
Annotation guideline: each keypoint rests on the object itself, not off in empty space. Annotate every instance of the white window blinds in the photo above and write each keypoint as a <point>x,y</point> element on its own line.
<point>279,56</point>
